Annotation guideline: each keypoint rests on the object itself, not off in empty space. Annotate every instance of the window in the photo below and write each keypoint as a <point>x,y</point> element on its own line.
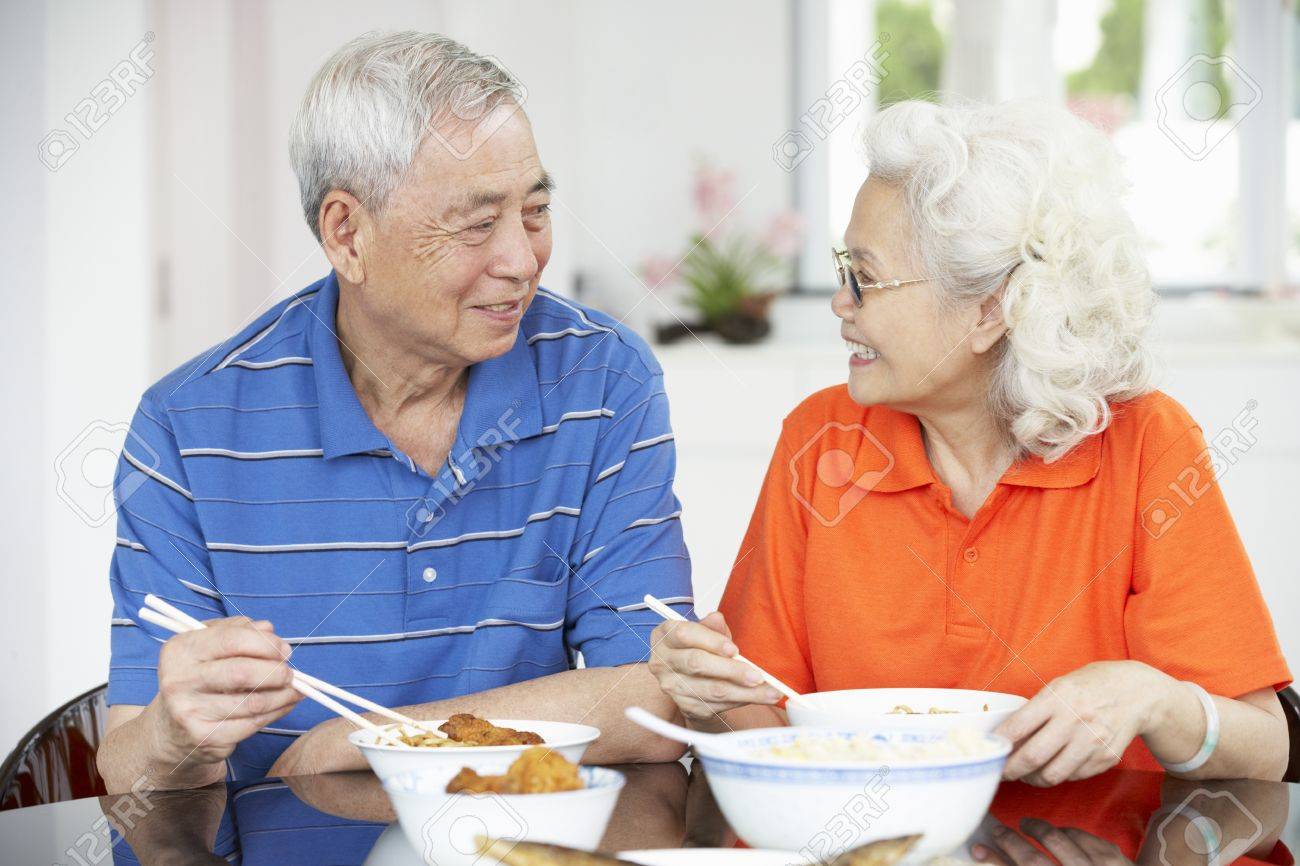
<point>1197,96</point>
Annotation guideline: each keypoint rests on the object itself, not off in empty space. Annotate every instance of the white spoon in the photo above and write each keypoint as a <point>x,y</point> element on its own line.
<point>651,722</point>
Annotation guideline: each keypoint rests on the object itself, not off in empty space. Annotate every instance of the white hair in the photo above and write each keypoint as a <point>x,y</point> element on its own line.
<point>370,106</point>
<point>1028,190</point>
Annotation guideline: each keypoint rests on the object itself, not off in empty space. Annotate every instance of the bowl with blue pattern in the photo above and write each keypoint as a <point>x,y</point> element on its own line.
<point>445,828</point>
<point>821,791</point>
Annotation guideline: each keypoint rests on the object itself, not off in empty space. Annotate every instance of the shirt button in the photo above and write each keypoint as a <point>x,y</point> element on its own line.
<point>430,574</point>
<point>972,554</point>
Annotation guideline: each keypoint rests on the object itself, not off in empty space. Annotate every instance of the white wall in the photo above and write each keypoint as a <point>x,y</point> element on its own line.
<point>23,333</point>
<point>178,221</point>
<point>76,327</point>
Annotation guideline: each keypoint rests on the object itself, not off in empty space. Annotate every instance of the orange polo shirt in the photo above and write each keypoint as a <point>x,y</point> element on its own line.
<point>857,571</point>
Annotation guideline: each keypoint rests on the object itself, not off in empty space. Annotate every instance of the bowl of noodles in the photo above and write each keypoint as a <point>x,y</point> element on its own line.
<point>906,709</point>
<point>464,740</point>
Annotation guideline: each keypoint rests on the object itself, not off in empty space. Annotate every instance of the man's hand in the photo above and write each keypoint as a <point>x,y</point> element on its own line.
<point>218,686</point>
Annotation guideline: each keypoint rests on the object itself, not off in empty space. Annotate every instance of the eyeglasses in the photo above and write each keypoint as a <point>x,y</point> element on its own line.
<point>844,270</point>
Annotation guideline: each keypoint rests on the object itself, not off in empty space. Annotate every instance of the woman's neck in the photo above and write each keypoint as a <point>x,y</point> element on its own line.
<point>968,451</point>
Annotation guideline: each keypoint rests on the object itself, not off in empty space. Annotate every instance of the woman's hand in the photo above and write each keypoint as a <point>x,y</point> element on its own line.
<point>1069,845</point>
<point>1080,724</point>
<point>695,666</point>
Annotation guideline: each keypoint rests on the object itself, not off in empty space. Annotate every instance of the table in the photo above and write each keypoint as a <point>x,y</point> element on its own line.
<point>345,818</point>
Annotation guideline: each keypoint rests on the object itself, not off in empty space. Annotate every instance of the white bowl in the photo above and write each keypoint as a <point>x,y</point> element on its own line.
<point>392,849</point>
<point>868,709</point>
<point>821,808</point>
<point>387,760</point>
<point>443,827</point>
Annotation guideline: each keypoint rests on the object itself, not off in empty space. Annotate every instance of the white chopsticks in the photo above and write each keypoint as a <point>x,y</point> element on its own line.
<point>172,618</point>
<point>668,613</point>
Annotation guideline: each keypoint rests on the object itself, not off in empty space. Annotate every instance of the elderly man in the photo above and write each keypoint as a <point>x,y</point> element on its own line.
<point>428,479</point>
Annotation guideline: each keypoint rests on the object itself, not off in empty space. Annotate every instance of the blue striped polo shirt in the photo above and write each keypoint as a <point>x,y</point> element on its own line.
<point>253,482</point>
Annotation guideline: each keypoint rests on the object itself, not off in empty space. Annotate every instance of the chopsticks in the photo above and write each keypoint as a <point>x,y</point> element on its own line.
<point>166,615</point>
<point>668,613</point>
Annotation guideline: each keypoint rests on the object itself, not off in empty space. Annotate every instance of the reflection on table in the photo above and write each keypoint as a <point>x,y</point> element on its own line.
<point>1115,818</point>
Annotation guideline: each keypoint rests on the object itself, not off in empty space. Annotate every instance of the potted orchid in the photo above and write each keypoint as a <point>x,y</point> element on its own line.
<point>728,274</point>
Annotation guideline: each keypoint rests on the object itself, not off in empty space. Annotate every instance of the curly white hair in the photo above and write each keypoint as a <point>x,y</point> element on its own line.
<point>1028,193</point>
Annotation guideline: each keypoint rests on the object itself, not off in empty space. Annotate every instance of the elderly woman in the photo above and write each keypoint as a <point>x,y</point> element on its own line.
<point>998,499</point>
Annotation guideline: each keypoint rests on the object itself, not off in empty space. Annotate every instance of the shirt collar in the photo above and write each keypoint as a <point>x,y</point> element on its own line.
<point>345,428</point>
<point>899,435</point>
<point>502,400</point>
<point>1079,466</point>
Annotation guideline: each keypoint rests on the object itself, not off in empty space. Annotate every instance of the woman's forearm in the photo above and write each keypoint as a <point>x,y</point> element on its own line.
<point>740,719</point>
<point>1252,733</point>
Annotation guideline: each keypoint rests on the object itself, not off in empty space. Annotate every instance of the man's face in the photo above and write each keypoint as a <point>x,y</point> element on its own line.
<point>457,254</point>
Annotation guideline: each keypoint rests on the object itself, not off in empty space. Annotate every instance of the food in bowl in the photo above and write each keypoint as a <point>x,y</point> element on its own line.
<point>880,748</point>
<point>905,710</point>
<point>885,852</point>
<point>465,729</point>
<point>537,771</point>
<point>788,803</point>
<point>473,731</point>
<point>535,854</point>
<point>443,827</point>
<point>388,759</point>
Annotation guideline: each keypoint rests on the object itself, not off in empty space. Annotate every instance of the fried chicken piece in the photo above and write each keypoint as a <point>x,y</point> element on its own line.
<point>536,771</point>
<point>883,852</point>
<point>536,854</point>
<point>542,771</point>
<point>467,781</point>
<point>473,731</point>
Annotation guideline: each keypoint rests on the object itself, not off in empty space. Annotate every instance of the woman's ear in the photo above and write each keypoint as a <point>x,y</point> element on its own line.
<point>344,226</point>
<point>990,327</point>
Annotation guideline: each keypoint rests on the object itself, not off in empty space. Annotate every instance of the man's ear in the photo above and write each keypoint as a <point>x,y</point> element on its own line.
<point>344,227</point>
<point>990,327</point>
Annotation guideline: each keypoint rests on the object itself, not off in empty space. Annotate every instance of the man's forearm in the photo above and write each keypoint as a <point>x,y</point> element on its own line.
<point>131,755</point>
<point>590,696</point>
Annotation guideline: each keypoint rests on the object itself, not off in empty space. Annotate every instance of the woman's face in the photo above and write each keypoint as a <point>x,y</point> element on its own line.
<point>923,353</point>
